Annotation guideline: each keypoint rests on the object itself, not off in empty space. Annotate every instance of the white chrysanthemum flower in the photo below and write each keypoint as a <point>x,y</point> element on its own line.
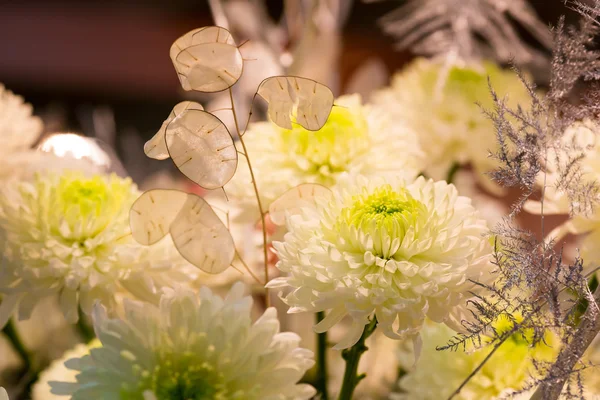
<point>191,347</point>
<point>400,252</point>
<point>439,102</point>
<point>58,371</point>
<point>438,373</point>
<point>69,235</point>
<point>19,129</point>
<point>582,138</point>
<point>356,137</point>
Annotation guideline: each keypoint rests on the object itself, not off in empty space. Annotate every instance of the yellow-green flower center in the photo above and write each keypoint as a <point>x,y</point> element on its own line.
<point>81,207</point>
<point>88,195</point>
<point>180,377</point>
<point>384,215</point>
<point>383,208</point>
<point>329,150</point>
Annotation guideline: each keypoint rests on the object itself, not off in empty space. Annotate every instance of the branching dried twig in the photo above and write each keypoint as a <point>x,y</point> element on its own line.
<point>468,28</point>
<point>533,280</point>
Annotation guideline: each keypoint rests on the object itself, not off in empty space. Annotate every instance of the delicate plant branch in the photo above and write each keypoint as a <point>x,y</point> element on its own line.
<point>476,370</point>
<point>500,342</point>
<point>352,357</point>
<point>552,386</point>
<point>252,274</point>
<point>321,383</point>
<point>258,201</point>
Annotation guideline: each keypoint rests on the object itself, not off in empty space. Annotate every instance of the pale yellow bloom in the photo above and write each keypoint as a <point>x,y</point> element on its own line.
<point>69,235</point>
<point>357,137</point>
<point>191,346</point>
<point>439,103</point>
<point>382,247</point>
<point>438,373</point>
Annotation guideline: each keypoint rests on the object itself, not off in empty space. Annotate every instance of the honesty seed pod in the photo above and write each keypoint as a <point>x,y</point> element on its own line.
<point>197,232</point>
<point>207,59</point>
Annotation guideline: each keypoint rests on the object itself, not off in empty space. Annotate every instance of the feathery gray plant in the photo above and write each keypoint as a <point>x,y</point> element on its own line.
<point>532,279</point>
<point>472,29</point>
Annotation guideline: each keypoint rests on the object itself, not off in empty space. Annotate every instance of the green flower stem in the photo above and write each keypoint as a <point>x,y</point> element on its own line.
<point>352,357</point>
<point>321,383</point>
<point>12,335</point>
<point>452,172</point>
<point>85,330</point>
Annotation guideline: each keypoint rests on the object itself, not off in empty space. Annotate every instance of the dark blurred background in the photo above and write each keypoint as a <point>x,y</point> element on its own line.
<point>75,59</point>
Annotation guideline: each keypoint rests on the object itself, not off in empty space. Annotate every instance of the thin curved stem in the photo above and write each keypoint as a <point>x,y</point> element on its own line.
<point>352,357</point>
<point>85,330</point>
<point>257,193</point>
<point>452,172</point>
<point>477,369</point>
<point>321,383</point>
<point>13,337</point>
<point>252,274</point>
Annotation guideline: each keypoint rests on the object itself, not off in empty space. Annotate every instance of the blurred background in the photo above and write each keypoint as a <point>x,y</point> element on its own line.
<point>102,68</point>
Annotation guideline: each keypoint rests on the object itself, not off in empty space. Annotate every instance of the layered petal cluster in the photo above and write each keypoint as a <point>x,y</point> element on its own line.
<point>438,373</point>
<point>191,347</point>
<point>357,137</point>
<point>440,103</point>
<point>380,247</point>
<point>19,129</point>
<point>69,235</point>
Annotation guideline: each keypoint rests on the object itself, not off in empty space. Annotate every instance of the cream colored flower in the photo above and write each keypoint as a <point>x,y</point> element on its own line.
<point>3,394</point>
<point>69,235</point>
<point>382,247</point>
<point>192,347</point>
<point>438,373</point>
<point>582,138</point>
<point>356,137</point>
<point>440,104</point>
<point>58,371</point>
<point>19,129</point>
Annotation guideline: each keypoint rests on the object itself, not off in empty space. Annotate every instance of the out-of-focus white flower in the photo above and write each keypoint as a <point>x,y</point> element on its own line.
<point>3,394</point>
<point>490,208</point>
<point>356,137</point>
<point>580,139</point>
<point>439,102</point>
<point>381,247</point>
<point>191,347</point>
<point>438,373</point>
<point>69,235</point>
<point>58,371</point>
<point>19,129</point>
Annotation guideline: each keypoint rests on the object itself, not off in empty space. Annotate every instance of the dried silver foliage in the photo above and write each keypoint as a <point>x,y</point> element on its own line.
<point>468,28</point>
<point>533,280</point>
